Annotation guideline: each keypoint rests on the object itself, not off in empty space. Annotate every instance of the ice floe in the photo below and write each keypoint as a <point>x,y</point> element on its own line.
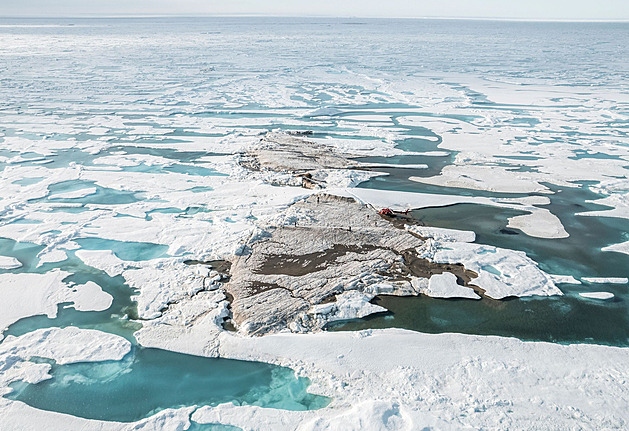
<point>24,295</point>
<point>606,280</point>
<point>604,296</point>
<point>8,262</point>
<point>445,286</point>
<point>501,272</point>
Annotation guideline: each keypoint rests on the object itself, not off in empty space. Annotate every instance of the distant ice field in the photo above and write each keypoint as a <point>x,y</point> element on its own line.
<point>118,161</point>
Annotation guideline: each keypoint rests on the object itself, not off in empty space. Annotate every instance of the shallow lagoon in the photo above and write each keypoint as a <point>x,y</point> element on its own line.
<point>150,380</point>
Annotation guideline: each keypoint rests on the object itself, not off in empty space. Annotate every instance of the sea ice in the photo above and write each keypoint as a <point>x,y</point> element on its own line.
<point>604,296</point>
<point>24,295</point>
<point>8,262</point>
<point>622,247</point>
<point>606,280</point>
<point>501,272</point>
<point>445,286</point>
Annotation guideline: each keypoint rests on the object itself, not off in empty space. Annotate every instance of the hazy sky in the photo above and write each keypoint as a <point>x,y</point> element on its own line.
<point>521,9</point>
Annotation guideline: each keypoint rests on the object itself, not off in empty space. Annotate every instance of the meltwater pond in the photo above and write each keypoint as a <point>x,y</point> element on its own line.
<point>150,380</point>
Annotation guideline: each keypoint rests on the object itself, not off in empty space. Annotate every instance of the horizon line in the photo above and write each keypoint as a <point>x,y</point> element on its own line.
<point>252,15</point>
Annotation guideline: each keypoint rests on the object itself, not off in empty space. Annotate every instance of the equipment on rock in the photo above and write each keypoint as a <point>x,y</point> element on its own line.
<point>390,213</point>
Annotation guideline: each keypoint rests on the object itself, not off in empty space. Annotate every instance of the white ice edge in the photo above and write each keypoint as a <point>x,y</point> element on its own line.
<point>8,262</point>
<point>603,296</point>
<point>606,280</point>
<point>445,286</point>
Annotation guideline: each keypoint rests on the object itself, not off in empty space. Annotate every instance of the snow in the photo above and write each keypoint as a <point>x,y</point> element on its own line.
<point>7,262</point>
<point>604,296</point>
<point>445,286</point>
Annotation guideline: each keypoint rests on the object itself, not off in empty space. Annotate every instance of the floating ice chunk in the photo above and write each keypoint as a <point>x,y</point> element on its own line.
<point>622,247</point>
<point>51,256</point>
<point>540,223</point>
<point>324,112</point>
<point>445,286</point>
<point>26,294</point>
<point>8,262</point>
<point>105,260</point>
<point>618,201</point>
<point>393,165</point>
<point>90,297</point>
<point>63,346</point>
<point>189,326</point>
<point>344,177</point>
<point>400,201</point>
<point>491,178</point>
<point>161,284</point>
<point>604,296</point>
<point>606,280</point>
<point>363,414</point>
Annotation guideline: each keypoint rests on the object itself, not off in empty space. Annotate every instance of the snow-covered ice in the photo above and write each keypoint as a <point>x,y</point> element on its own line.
<point>8,262</point>
<point>604,296</point>
<point>606,280</point>
<point>24,295</point>
<point>445,286</point>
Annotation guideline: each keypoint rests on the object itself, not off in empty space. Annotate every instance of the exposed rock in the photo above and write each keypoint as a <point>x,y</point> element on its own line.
<point>281,152</point>
<point>320,248</point>
<point>310,165</point>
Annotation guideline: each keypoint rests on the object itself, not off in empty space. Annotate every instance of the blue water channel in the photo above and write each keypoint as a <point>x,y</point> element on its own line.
<point>147,380</point>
